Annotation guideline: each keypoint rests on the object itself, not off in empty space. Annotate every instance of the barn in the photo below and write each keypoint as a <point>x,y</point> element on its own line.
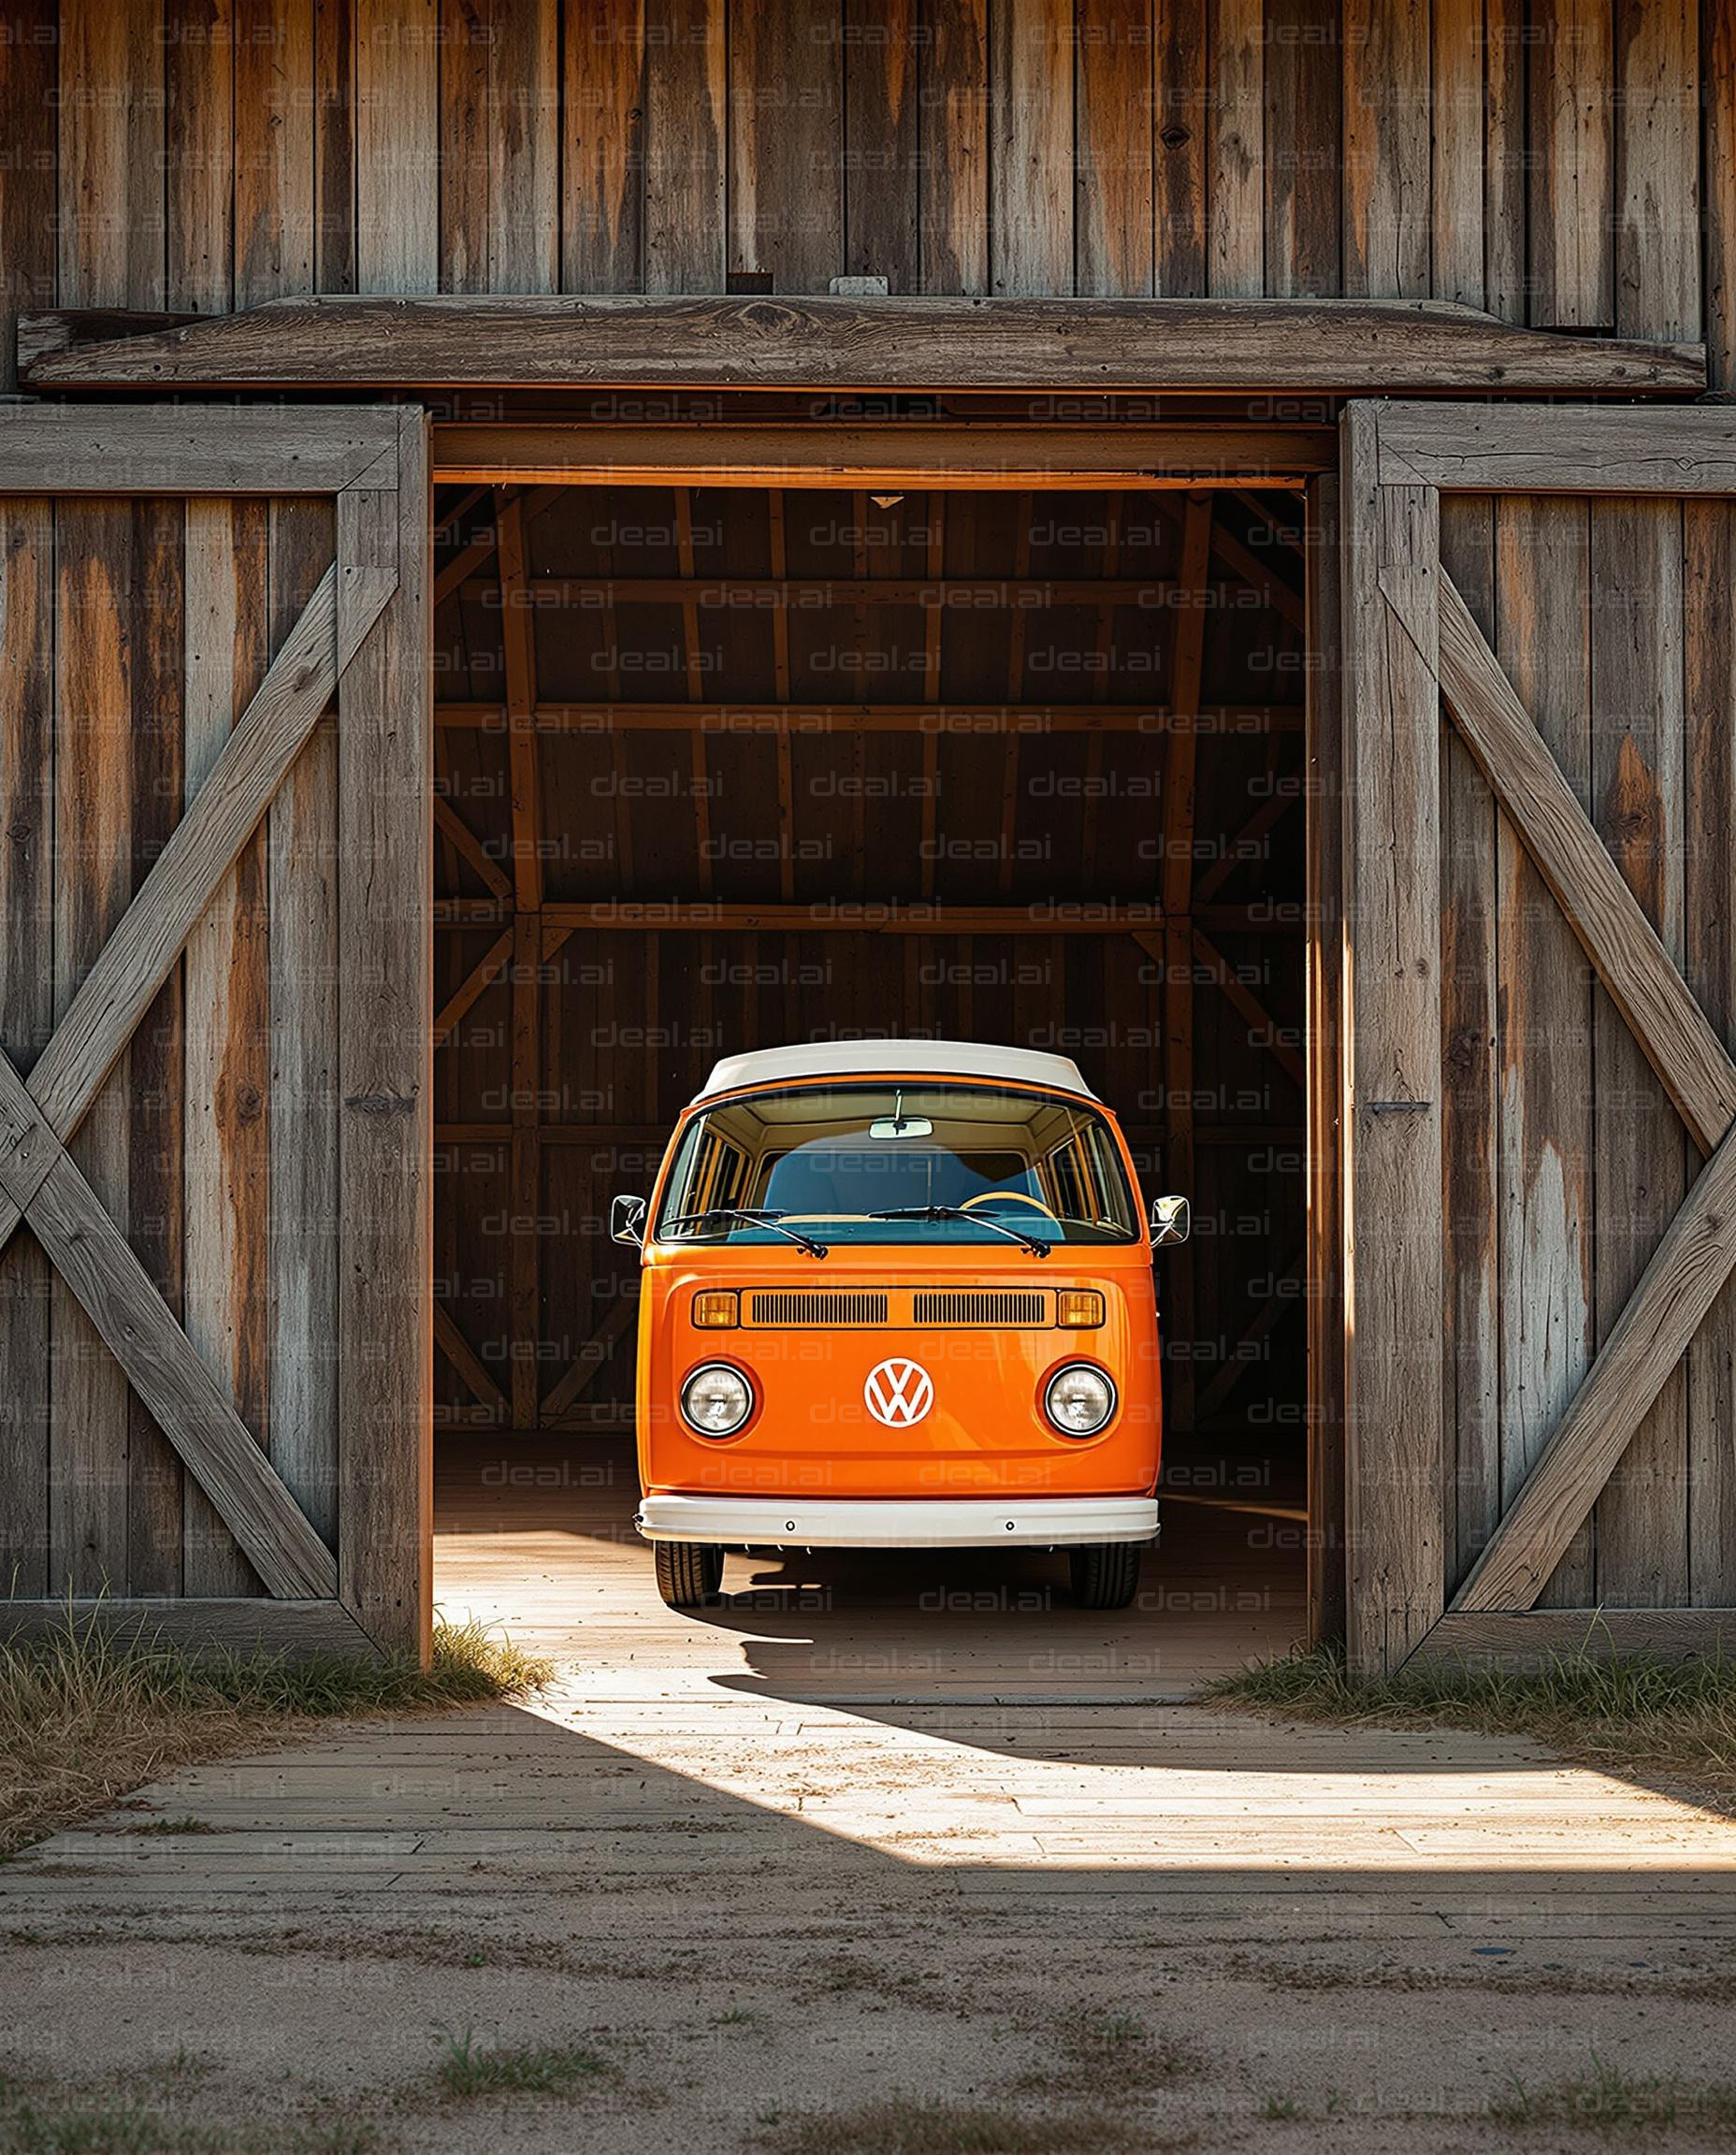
<point>542,545</point>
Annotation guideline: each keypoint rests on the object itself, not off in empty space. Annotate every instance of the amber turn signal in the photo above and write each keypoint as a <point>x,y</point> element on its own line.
<point>717,1308</point>
<point>1078,1305</point>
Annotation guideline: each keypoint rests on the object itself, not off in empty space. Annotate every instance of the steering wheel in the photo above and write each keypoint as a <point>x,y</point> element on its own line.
<point>1010,1197</point>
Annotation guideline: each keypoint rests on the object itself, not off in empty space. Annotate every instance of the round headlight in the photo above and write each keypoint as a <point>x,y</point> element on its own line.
<point>1079,1399</point>
<point>717,1399</point>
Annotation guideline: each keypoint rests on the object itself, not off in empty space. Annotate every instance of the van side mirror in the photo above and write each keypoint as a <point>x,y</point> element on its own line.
<point>1172,1220</point>
<point>627,1220</point>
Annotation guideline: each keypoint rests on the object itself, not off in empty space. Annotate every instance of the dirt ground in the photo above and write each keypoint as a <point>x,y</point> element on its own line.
<point>676,1904</point>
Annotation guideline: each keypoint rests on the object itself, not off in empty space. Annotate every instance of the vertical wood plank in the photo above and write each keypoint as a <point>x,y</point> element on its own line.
<point>398,142</point>
<point>301,831</point>
<point>1178,156</point>
<point>1709,913</point>
<point>275,107</point>
<point>1326,750</point>
<point>686,127</point>
<point>953,138</point>
<point>1542,633</point>
<point>93,707</point>
<point>523,1309</point>
<point>881,180</point>
<point>112,166</point>
<point>786,178</point>
<point>28,243</point>
<point>199,168</point>
<point>1504,151</point>
<point>1030,151</point>
<point>1638,745</point>
<point>1386,149</point>
<point>334,144</point>
<point>1718,38</point>
<point>1113,183</point>
<point>602,163</point>
<point>1303,99</point>
<point>1236,268</point>
<point>385,1088</point>
<point>1457,183</point>
<point>1469,1097</point>
<point>27,1002</point>
<point>1394,1286</point>
<point>499,145</point>
<point>155,1479</point>
<point>1570,159</point>
<point>228,1020</point>
<point>1657,149</point>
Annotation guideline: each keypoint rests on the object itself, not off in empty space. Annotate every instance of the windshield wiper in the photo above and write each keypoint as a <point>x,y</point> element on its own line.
<point>976,1220</point>
<point>772,1219</point>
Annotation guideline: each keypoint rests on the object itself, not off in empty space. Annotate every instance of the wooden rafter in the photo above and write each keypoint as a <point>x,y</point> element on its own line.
<point>469,846</point>
<point>1236,1365</point>
<point>694,657</point>
<point>583,1370</point>
<point>780,680</point>
<point>934,651</point>
<point>488,968</point>
<point>519,646</point>
<point>467,1365</point>
<point>1176,886</point>
<point>920,917</point>
<point>1267,1031</point>
<point>930,718</point>
<point>1016,629</point>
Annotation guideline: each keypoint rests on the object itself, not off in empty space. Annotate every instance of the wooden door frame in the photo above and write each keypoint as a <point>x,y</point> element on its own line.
<point>1411,652</point>
<point>363,640</point>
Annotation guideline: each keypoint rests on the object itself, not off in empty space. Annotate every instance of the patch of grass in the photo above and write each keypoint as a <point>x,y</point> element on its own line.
<point>906,2127</point>
<point>469,2067</point>
<point>86,1715</point>
<point>88,2125</point>
<point>1607,2100</point>
<point>1111,2056</point>
<point>1675,1719</point>
<point>1281,2108</point>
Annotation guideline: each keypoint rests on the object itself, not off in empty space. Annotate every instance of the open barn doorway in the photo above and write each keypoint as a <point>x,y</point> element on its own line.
<point>727,767</point>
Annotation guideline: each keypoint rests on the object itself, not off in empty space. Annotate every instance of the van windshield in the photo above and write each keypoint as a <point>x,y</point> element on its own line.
<point>971,1162</point>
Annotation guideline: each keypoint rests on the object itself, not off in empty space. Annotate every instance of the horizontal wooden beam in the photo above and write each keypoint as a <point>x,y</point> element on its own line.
<point>868,917</point>
<point>1579,449</point>
<point>973,455</point>
<point>241,1624</point>
<point>1035,719</point>
<point>786,595</point>
<point>134,448</point>
<point>905,343</point>
<point>1526,1640</point>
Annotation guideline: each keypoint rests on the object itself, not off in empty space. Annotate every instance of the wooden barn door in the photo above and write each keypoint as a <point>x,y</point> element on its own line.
<point>1540,838</point>
<point>214,1022</point>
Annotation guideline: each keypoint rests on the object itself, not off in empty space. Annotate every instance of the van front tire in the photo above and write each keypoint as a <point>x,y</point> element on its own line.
<point>1105,1575</point>
<point>688,1573</point>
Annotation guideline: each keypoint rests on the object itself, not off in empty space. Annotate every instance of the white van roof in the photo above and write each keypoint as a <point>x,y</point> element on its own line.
<point>907,1058</point>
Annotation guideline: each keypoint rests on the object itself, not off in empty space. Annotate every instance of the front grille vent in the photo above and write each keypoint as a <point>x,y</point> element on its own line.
<point>981,1305</point>
<point>819,1306</point>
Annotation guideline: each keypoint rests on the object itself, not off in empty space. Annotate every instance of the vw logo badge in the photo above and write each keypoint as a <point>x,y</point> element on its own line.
<point>899,1393</point>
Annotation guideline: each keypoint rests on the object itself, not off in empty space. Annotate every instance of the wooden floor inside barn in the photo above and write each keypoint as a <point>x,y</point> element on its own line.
<point>537,1534</point>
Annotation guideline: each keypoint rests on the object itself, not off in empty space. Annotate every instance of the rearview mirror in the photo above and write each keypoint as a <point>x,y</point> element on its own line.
<point>627,1220</point>
<point>1172,1220</point>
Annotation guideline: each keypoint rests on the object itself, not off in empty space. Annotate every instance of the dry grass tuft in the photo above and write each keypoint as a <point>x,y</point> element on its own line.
<point>1673,1720</point>
<point>1606,2100</point>
<point>85,1717</point>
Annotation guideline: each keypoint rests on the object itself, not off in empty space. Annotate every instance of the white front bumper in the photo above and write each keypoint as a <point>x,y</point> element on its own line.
<point>896,1522</point>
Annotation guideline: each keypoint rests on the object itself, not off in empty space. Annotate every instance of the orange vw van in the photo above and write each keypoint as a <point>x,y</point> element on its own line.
<point>898,1293</point>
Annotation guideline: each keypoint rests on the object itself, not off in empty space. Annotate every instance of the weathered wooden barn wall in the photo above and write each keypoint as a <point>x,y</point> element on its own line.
<point>1549,162</point>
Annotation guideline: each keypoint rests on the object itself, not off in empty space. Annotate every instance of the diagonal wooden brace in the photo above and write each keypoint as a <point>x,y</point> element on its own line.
<point>161,1363</point>
<point>139,956</point>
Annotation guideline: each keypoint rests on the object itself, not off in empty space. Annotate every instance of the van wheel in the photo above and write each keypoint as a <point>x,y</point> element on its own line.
<point>688,1573</point>
<point>1105,1575</point>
